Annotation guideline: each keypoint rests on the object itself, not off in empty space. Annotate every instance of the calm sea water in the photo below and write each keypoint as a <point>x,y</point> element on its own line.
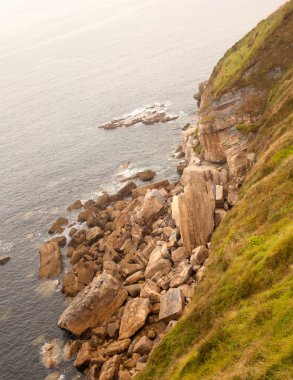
<point>65,67</point>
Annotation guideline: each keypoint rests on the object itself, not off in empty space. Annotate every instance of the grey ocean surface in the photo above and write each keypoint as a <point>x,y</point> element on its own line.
<point>67,66</point>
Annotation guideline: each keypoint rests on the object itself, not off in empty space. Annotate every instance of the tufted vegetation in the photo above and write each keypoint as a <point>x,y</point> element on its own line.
<point>239,324</point>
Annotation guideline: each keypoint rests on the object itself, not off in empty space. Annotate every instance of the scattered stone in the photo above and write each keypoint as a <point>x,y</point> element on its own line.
<point>93,234</point>
<point>179,255</point>
<point>157,264</point>
<point>134,290</point>
<point>143,346</point>
<point>181,274</point>
<point>134,278</point>
<point>134,316</point>
<point>143,190</point>
<point>199,255</point>
<point>117,347</point>
<point>110,368</point>
<point>97,302</point>
<point>127,189</point>
<point>102,201</point>
<point>150,290</point>
<point>146,175</point>
<point>171,305</point>
<point>75,205</point>
<point>57,226</point>
<point>50,260</point>
<point>84,355</point>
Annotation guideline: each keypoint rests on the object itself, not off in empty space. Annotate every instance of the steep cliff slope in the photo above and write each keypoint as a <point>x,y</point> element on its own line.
<point>239,324</point>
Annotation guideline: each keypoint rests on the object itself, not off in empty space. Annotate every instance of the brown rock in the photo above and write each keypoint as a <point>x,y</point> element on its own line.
<point>93,235</point>
<point>117,347</point>
<point>110,368</point>
<point>75,205</point>
<point>69,286</point>
<point>171,305</point>
<point>99,331</point>
<point>136,233</point>
<point>199,255</point>
<point>179,255</point>
<point>50,260</point>
<point>84,355</point>
<point>97,302</point>
<point>151,291</point>
<point>134,316</point>
<point>143,190</point>
<point>134,290</point>
<point>102,201</point>
<point>60,240</point>
<point>143,346</point>
<point>181,274</point>
<point>57,226</point>
<point>157,263</point>
<point>129,269</point>
<point>84,272</point>
<point>196,207</point>
<point>134,278</point>
<point>113,330</point>
<point>127,189</point>
<point>116,197</point>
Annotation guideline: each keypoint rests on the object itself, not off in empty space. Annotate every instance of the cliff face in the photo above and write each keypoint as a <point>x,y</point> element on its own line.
<point>239,324</point>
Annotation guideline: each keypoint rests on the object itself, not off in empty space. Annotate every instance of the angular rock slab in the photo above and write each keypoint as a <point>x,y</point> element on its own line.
<point>95,304</point>
<point>171,304</point>
<point>134,317</point>
<point>50,260</point>
<point>151,208</point>
<point>196,209</point>
<point>110,368</point>
<point>157,264</point>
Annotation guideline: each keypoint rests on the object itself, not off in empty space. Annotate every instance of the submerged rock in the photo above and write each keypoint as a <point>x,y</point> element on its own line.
<point>4,259</point>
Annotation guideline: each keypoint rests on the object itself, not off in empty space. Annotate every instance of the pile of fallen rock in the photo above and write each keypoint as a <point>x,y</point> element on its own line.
<point>135,262</point>
<point>130,277</point>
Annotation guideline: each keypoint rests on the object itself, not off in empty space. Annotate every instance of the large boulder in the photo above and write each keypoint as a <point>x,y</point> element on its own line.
<point>127,189</point>
<point>93,234</point>
<point>152,207</point>
<point>134,316</point>
<point>94,305</point>
<point>171,305</point>
<point>50,260</point>
<point>181,274</point>
<point>196,207</point>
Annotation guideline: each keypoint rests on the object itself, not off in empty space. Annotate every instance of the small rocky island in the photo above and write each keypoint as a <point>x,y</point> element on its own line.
<point>153,114</point>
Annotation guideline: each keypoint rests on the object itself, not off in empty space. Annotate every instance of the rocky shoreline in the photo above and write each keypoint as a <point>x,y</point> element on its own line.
<point>141,254</point>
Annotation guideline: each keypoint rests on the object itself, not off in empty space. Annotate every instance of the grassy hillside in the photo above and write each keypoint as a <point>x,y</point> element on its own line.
<point>239,324</point>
